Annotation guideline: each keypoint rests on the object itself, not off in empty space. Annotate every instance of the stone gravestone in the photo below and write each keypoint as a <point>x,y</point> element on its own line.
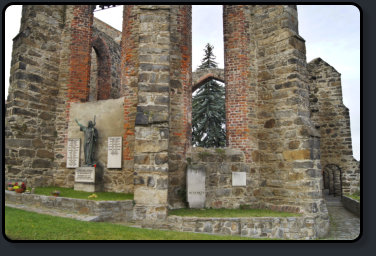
<point>196,186</point>
<point>88,179</point>
<point>114,152</point>
<point>73,153</point>
<point>239,179</point>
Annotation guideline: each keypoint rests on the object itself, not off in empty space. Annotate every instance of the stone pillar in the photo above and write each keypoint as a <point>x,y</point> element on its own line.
<point>31,104</point>
<point>268,115</point>
<point>152,119</point>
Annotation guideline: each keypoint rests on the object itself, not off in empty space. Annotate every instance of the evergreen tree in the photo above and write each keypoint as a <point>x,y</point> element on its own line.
<point>208,109</point>
<point>209,59</point>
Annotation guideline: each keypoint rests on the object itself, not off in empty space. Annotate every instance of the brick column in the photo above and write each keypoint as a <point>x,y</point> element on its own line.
<point>80,50</point>
<point>129,78</point>
<point>240,89</point>
<point>180,101</point>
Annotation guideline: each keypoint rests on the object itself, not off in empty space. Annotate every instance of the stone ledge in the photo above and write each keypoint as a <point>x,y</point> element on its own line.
<point>295,228</point>
<point>351,204</point>
<point>105,210</point>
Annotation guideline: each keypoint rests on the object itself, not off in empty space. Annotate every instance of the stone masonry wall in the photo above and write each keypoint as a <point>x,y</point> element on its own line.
<point>219,164</point>
<point>30,130</point>
<point>332,119</point>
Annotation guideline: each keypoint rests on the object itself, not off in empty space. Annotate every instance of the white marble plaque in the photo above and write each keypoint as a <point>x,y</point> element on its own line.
<point>85,174</point>
<point>196,187</point>
<point>114,154</point>
<point>73,153</point>
<point>239,179</point>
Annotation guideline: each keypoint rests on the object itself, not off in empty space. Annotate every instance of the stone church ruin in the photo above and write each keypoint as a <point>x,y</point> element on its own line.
<point>288,132</point>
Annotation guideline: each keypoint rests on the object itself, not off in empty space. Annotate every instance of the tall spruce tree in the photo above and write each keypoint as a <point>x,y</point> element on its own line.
<point>208,109</point>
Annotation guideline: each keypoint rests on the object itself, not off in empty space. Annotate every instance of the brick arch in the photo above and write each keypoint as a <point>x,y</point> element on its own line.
<point>103,67</point>
<point>202,76</point>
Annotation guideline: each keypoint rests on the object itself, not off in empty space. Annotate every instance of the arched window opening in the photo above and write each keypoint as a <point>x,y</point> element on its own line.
<point>333,180</point>
<point>100,72</point>
<point>208,89</point>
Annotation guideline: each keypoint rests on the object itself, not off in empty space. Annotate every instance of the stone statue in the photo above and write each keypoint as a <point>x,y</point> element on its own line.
<point>91,135</point>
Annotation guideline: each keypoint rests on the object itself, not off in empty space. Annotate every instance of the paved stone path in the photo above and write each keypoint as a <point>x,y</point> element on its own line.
<point>344,225</point>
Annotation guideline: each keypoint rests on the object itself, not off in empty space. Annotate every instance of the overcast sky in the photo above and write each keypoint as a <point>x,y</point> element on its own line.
<point>332,32</point>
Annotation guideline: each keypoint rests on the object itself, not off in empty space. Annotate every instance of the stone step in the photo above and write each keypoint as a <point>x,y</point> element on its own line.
<point>54,212</point>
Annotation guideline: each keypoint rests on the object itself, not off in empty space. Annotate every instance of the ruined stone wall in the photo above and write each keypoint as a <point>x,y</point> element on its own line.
<point>30,130</point>
<point>74,77</point>
<point>268,106</point>
<point>331,118</point>
<point>218,165</point>
<point>288,144</point>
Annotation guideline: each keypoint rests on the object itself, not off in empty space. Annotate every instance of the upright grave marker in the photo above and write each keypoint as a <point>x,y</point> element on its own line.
<point>196,187</point>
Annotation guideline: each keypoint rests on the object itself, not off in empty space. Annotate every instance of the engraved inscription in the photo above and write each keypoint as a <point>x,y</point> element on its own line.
<point>114,152</point>
<point>73,153</point>
<point>239,179</point>
<point>85,174</point>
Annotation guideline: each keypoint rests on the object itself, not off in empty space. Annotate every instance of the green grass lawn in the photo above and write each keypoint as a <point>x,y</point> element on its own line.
<point>230,213</point>
<point>23,225</point>
<point>69,192</point>
<point>354,196</point>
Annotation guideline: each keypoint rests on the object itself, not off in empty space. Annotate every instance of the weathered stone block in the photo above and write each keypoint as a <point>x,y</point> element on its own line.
<point>41,163</point>
<point>296,154</point>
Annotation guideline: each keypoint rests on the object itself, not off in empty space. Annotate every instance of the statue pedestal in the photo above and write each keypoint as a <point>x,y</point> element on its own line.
<point>89,179</point>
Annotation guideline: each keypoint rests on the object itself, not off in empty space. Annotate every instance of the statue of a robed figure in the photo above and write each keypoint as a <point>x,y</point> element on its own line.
<point>90,139</point>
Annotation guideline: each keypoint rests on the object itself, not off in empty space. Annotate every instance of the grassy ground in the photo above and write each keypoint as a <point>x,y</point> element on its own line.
<point>69,192</point>
<point>229,213</point>
<point>23,225</point>
<point>354,196</point>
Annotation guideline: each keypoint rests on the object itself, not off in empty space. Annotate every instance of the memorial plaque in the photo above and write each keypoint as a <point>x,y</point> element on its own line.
<point>73,153</point>
<point>239,179</point>
<point>85,174</point>
<point>114,154</point>
<point>196,187</point>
